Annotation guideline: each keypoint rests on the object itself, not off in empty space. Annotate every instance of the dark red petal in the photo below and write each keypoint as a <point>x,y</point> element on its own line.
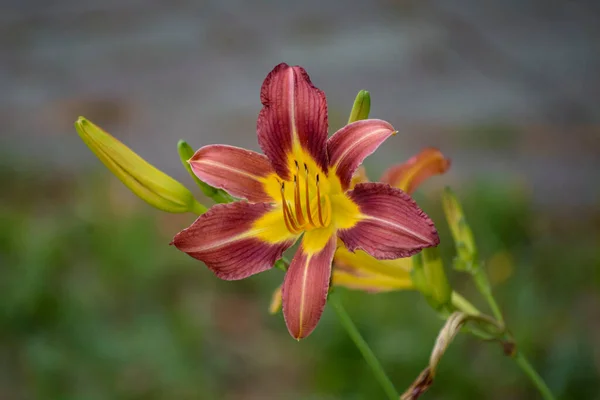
<point>294,111</point>
<point>305,289</point>
<point>349,146</point>
<point>392,225</point>
<point>239,172</point>
<point>224,240</point>
<point>409,175</point>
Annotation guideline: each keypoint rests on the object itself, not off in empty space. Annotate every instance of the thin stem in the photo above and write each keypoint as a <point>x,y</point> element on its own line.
<point>483,284</point>
<point>535,378</point>
<point>484,287</point>
<point>463,304</point>
<point>494,306</point>
<point>363,347</point>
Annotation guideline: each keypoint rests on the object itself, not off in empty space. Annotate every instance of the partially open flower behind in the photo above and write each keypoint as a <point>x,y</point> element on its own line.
<point>462,234</point>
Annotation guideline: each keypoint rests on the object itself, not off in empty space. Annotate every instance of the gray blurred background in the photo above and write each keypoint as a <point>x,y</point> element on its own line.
<point>95,305</point>
<point>516,80</point>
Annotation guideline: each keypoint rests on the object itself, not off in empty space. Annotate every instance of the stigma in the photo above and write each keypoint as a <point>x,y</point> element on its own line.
<point>307,208</point>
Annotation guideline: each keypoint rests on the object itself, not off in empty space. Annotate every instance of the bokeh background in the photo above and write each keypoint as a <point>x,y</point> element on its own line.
<point>94,304</point>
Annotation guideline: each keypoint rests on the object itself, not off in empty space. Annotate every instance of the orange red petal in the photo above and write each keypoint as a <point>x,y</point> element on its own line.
<point>349,146</point>
<point>305,288</point>
<point>413,172</point>
<point>240,172</point>
<point>390,224</point>
<point>294,114</point>
<point>224,239</point>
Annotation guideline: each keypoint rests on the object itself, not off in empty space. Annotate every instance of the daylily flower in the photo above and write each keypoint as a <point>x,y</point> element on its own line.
<point>300,187</point>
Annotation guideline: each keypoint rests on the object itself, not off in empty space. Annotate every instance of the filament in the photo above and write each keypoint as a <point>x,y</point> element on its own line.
<point>293,216</point>
<point>308,212</point>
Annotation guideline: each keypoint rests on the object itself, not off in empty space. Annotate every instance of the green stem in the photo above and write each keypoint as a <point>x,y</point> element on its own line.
<point>463,304</point>
<point>198,208</point>
<point>363,347</point>
<point>494,306</point>
<point>535,378</point>
<point>483,284</point>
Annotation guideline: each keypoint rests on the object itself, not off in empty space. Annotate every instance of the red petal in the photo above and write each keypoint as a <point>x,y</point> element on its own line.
<point>391,224</point>
<point>238,171</point>
<point>294,111</point>
<point>349,146</point>
<point>305,289</point>
<point>224,240</point>
<point>408,176</point>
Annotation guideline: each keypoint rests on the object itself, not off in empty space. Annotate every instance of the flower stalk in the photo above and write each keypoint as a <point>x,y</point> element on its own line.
<point>363,347</point>
<point>532,374</point>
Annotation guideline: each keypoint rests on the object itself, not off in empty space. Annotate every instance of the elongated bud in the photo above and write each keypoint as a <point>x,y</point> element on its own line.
<point>147,182</point>
<point>436,276</point>
<point>361,107</point>
<point>461,233</point>
<point>429,278</point>
<point>218,195</point>
<point>417,274</point>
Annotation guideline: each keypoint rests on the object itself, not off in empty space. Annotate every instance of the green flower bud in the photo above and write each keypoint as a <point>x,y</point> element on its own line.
<point>417,275</point>
<point>218,195</point>
<point>461,233</point>
<point>147,182</point>
<point>361,107</point>
<point>436,276</point>
<point>429,278</point>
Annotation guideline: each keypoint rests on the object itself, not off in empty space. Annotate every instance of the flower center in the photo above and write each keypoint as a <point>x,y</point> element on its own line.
<point>305,207</point>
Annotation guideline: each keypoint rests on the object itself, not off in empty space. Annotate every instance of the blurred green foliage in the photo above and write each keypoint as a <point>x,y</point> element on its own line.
<point>96,305</point>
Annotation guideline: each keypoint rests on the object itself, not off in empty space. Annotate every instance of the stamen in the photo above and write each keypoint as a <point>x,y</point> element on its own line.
<point>293,215</point>
<point>290,224</point>
<point>308,211</point>
<point>297,202</point>
<point>319,202</point>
